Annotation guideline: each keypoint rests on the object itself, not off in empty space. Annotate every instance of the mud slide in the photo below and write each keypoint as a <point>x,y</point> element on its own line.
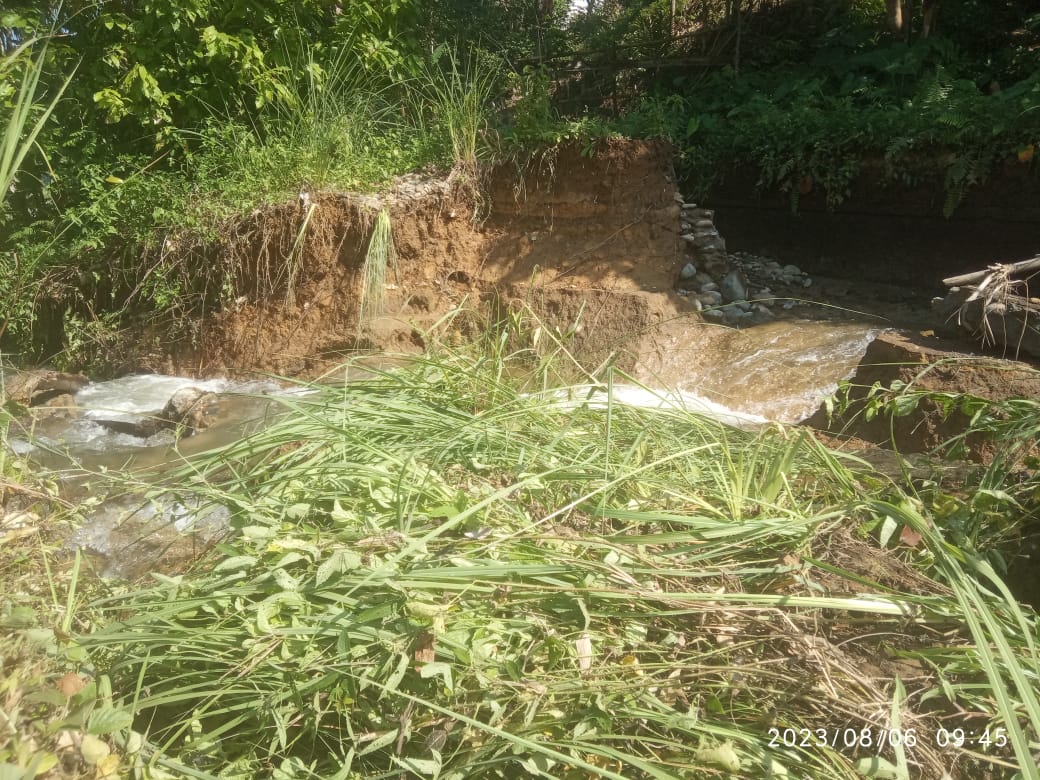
<point>588,240</point>
<point>598,244</point>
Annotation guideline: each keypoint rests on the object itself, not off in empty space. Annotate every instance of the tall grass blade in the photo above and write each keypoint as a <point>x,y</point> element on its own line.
<point>20,132</point>
<point>990,632</point>
<point>380,258</point>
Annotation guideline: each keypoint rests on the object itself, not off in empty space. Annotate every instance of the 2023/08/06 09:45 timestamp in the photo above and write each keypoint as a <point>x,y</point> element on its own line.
<point>979,739</point>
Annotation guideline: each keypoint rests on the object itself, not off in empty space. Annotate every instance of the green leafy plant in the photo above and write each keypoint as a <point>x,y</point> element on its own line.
<point>532,111</point>
<point>812,130</point>
<point>992,513</point>
<point>450,570</point>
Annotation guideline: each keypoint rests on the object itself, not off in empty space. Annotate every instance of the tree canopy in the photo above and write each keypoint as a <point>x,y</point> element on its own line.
<point>182,105</point>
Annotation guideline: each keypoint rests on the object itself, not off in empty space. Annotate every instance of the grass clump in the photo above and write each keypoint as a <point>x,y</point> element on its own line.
<point>27,117</point>
<point>29,112</point>
<point>338,127</point>
<point>458,94</point>
<point>442,571</point>
<point>380,257</point>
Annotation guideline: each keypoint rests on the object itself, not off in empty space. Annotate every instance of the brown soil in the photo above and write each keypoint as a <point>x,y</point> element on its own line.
<point>929,364</point>
<point>590,238</point>
<point>589,241</point>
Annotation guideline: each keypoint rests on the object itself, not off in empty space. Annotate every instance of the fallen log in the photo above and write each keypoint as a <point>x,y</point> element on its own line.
<point>995,318</point>
<point>1021,267</point>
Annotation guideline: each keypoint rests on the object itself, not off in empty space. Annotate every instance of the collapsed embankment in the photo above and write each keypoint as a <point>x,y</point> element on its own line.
<point>597,244</point>
<point>591,241</point>
<point>925,364</point>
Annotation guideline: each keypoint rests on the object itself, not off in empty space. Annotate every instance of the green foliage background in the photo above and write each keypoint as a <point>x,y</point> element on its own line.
<point>183,113</point>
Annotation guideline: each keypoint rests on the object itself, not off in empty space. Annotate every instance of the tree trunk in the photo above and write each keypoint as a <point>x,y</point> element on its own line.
<point>931,15</point>
<point>895,16</point>
<point>740,25</point>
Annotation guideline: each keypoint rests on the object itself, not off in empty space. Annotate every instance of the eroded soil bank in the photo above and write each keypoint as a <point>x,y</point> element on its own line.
<point>600,246</point>
<point>586,240</point>
<point>927,364</point>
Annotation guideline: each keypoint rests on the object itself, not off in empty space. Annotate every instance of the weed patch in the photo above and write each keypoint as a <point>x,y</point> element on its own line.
<point>445,571</point>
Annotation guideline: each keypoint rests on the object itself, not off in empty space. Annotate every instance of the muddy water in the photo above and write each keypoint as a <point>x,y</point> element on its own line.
<point>130,533</point>
<point>776,371</point>
<point>779,370</point>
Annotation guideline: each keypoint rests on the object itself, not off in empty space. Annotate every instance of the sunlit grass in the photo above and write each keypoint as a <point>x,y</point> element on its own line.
<point>337,126</point>
<point>458,94</point>
<point>441,570</point>
<point>28,116</point>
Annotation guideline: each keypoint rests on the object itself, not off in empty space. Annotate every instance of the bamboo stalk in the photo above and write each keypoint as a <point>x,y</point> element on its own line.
<point>1022,266</point>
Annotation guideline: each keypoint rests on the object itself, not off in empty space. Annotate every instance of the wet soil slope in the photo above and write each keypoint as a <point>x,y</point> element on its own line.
<point>579,236</point>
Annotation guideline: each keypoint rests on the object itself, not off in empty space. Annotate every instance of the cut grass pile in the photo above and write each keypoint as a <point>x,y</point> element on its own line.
<point>45,703</point>
<point>436,572</point>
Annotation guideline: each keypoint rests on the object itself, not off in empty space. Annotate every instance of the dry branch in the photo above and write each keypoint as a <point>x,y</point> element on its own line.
<point>1022,266</point>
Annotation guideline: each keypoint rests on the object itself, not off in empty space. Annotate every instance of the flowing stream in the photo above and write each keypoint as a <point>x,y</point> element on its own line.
<point>79,439</point>
<point>130,534</point>
<point>781,370</point>
<point>778,371</point>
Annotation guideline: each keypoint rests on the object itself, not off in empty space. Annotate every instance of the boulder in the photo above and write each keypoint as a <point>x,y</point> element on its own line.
<point>37,387</point>
<point>190,407</point>
<point>710,298</point>
<point>734,286</point>
<point>187,411</point>
<point>1011,322</point>
<point>714,262</point>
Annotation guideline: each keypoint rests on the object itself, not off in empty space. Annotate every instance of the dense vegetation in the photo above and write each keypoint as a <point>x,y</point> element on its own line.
<point>457,569</point>
<point>180,114</point>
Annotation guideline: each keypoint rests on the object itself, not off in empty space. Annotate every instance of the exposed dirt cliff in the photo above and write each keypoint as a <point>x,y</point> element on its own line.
<point>586,239</point>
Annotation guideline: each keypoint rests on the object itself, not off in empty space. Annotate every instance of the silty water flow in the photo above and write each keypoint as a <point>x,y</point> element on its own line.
<point>132,533</point>
<point>781,370</point>
<point>775,371</point>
